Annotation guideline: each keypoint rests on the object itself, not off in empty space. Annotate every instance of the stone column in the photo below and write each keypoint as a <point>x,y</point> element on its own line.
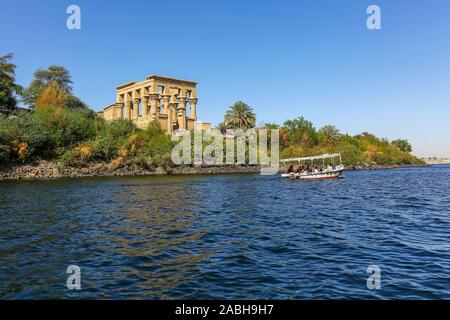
<point>128,107</point>
<point>136,108</point>
<point>182,112</point>
<point>154,99</point>
<point>172,109</point>
<point>144,106</point>
<point>165,100</point>
<point>119,108</point>
<point>193,111</point>
<point>158,106</point>
<point>165,103</point>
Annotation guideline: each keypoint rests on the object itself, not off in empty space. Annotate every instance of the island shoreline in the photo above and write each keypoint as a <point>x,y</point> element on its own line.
<point>47,170</point>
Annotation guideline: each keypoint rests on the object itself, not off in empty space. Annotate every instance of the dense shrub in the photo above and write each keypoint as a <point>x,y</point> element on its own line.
<point>67,127</point>
<point>148,148</point>
<point>78,137</point>
<point>52,95</point>
<point>109,138</point>
<point>119,143</point>
<point>23,138</point>
<point>298,138</point>
<point>4,146</point>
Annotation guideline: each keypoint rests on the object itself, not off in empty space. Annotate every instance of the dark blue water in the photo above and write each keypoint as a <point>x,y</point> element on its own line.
<point>231,236</point>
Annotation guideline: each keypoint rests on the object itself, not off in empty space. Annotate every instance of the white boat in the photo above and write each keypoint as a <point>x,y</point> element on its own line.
<point>331,172</point>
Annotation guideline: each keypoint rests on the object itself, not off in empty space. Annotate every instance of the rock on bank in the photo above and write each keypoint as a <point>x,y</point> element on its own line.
<point>49,170</point>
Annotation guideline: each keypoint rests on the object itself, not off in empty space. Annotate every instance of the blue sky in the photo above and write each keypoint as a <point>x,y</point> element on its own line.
<point>284,58</point>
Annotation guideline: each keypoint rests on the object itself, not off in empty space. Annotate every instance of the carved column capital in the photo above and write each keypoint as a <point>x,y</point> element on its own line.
<point>154,101</point>
<point>165,97</point>
<point>181,114</point>
<point>173,100</point>
<point>193,106</point>
<point>154,96</point>
<point>136,100</point>
<point>173,108</point>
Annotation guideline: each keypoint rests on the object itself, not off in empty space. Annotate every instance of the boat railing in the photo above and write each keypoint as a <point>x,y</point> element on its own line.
<point>322,157</point>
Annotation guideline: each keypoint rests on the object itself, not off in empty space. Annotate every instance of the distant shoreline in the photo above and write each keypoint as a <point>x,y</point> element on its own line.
<point>436,161</point>
<point>46,170</point>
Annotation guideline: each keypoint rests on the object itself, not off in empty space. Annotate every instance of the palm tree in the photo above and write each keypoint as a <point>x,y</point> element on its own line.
<point>331,134</point>
<point>221,125</point>
<point>6,68</point>
<point>270,125</point>
<point>8,88</point>
<point>240,116</point>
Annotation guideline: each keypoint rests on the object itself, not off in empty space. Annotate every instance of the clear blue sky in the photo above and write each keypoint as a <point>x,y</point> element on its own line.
<point>284,58</point>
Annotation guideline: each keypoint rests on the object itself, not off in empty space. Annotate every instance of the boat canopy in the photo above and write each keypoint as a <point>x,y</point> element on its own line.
<point>323,156</point>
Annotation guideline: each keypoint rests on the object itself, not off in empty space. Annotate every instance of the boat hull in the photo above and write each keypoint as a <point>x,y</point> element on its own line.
<point>335,174</point>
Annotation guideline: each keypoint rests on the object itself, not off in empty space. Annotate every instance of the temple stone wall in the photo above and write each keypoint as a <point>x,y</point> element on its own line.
<point>157,98</point>
<point>109,113</point>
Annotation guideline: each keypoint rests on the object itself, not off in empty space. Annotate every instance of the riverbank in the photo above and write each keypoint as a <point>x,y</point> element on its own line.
<point>383,167</point>
<point>50,170</point>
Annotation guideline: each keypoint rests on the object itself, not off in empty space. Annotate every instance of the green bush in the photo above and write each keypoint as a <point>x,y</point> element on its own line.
<point>122,143</point>
<point>78,137</point>
<point>4,153</point>
<point>150,147</point>
<point>298,138</point>
<point>23,138</point>
<point>67,127</point>
<point>110,137</point>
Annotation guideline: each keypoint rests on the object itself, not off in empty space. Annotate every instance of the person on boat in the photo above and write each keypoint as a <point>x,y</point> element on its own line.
<point>329,168</point>
<point>300,169</point>
<point>316,170</point>
<point>291,169</point>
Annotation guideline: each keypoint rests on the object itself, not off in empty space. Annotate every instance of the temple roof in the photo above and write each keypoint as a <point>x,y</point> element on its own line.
<point>163,79</point>
<point>127,84</point>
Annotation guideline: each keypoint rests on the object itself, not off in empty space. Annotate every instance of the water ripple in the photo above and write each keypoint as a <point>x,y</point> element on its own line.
<point>235,236</point>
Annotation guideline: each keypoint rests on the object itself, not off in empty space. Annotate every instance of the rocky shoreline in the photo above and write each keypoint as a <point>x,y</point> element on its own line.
<point>43,170</point>
<point>383,167</point>
<point>49,170</point>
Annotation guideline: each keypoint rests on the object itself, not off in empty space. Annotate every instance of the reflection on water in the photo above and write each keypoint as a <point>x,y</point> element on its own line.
<point>236,236</point>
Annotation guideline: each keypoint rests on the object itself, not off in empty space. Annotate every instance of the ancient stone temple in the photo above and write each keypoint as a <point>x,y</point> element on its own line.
<point>171,102</point>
